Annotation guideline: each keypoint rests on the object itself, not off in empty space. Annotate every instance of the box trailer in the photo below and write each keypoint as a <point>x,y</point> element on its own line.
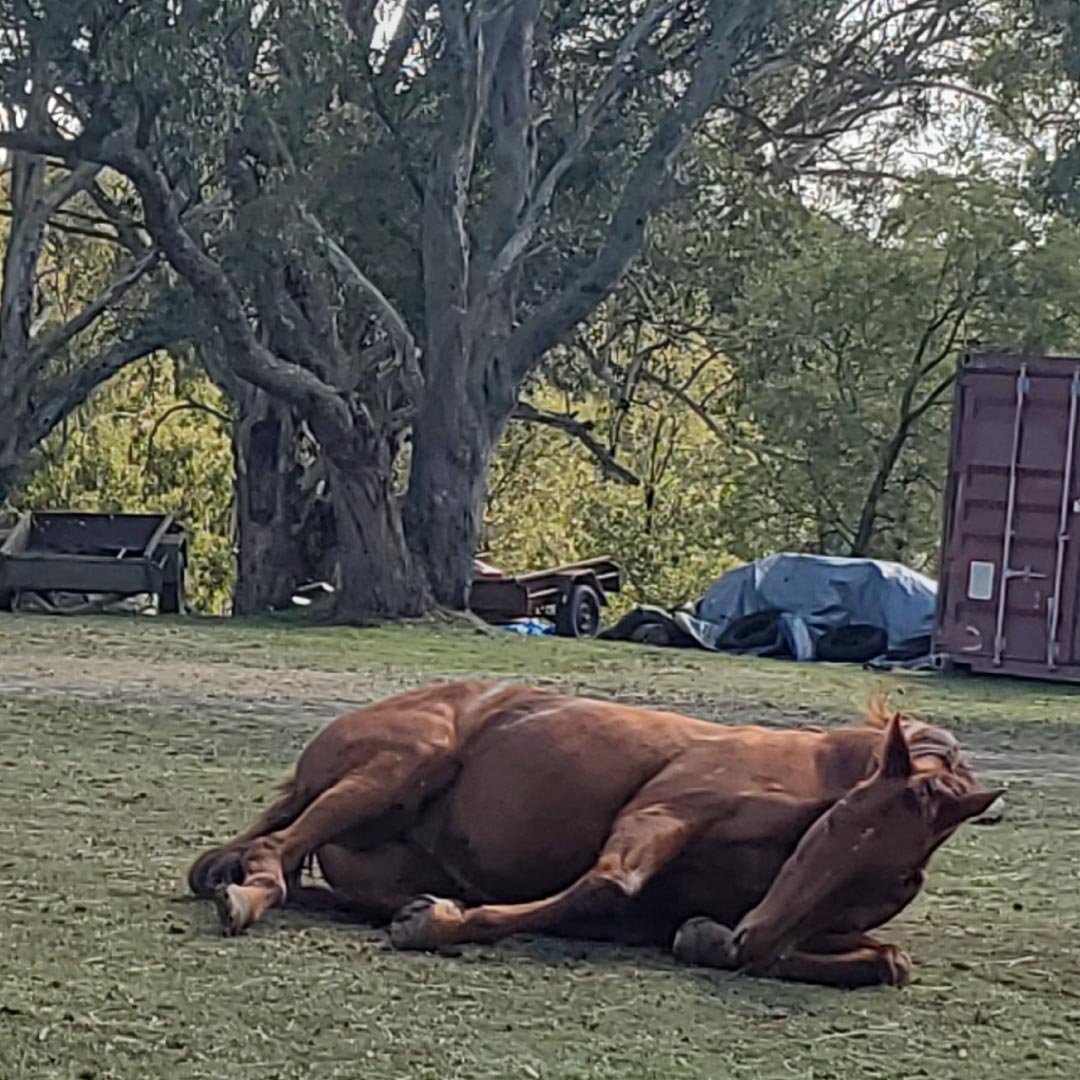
<point>104,553</point>
<point>1009,570</point>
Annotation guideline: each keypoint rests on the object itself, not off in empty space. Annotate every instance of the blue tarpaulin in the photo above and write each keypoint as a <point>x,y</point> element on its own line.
<point>808,596</point>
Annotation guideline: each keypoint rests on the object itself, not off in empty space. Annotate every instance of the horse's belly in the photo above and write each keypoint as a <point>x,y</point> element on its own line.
<point>528,814</point>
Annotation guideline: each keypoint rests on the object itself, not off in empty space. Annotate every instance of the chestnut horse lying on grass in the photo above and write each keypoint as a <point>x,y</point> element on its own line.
<point>533,811</point>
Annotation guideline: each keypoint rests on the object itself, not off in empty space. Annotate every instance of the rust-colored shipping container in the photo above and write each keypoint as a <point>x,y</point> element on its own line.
<point>1009,576</point>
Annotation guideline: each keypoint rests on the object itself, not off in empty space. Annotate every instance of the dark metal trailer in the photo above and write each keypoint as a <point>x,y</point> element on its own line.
<point>1009,575</point>
<point>571,595</point>
<point>114,555</point>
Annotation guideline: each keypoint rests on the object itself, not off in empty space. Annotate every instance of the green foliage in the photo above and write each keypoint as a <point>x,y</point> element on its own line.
<point>824,416</point>
<point>550,502</point>
<point>148,441</point>
<point>846,343</point>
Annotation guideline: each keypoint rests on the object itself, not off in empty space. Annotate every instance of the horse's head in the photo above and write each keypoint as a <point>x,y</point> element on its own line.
<point>876,839</point>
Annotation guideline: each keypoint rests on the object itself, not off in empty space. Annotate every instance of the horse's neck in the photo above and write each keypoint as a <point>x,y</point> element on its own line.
<point>849,755</point>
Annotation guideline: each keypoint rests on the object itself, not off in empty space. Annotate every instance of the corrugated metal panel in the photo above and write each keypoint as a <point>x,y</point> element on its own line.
<point>1009,573</point>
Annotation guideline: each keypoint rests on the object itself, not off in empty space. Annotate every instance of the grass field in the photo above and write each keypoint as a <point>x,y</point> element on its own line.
<point>127,745</point>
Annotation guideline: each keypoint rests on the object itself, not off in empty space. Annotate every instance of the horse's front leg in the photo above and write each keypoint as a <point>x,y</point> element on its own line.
<point>643,841</point>
<point>839,953</point>
<point>846,961</point>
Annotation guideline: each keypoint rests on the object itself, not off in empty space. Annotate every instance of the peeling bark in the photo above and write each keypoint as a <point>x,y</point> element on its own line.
<point>284,521</point>
<point>377,573</point>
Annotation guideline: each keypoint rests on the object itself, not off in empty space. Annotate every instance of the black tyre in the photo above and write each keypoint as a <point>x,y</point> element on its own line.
<point>752,631</point>
<point>853,644</point>
<point>652,633</point>
<point>578,614</point>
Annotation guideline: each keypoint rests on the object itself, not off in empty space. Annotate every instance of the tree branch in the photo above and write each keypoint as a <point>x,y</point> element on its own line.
<point>618,75</point>
<point>395,322</point>
<point>582,432</point>
<point>733,23</point>
<point>695,407</point>
<point>62,395</point>
<point>169,413</point>
<point>73,230</point>
<point>51,343</point>
<point>250,358</point>
<point>48,146</point>
<point>513,135</point>
<point>474,42</point>
<point>932,397</point>
<point>127,229</point>
<point>59,191</point>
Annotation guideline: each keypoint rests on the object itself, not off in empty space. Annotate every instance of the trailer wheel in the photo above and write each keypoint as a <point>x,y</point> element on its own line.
<point>578,615</point>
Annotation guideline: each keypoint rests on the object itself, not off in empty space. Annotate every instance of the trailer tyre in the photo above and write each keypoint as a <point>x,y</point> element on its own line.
<point>855,643</point>
<point>578,615</point>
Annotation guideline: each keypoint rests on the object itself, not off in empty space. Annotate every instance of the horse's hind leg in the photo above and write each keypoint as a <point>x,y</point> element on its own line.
<point>388,789</point>
<point>222,864</point>
<point>374,884</point>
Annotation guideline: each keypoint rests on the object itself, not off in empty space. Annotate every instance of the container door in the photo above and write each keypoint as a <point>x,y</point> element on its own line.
<point>1010,561</point>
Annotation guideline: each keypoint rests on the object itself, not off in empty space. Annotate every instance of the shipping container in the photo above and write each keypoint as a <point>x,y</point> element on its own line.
<point>1009,570</point>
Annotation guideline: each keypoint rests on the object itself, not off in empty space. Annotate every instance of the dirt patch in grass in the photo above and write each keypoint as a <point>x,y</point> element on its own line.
<point>115,768</point>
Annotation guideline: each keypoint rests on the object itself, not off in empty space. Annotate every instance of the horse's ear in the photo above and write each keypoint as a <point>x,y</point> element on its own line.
<point>957,809</point>
<point>895,758</point>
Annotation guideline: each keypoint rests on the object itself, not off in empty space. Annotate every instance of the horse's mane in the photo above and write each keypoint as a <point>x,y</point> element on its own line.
<point>878,713</point>
<point>922,737</point>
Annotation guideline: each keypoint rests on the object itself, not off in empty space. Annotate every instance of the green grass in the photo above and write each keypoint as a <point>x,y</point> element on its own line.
<point>425,651</point>
<point>108,971</point>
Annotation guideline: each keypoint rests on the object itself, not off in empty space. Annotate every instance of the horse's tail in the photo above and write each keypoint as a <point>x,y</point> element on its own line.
<point>224,864</point>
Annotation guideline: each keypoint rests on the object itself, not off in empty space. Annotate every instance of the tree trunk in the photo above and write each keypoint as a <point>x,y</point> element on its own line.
<point>284,521</point>
<point>12,452</point>
<point>9,477</point>
<point>866,528</point>
<point>378,576</point>
<point>18,443</point>
<point>453,440</point>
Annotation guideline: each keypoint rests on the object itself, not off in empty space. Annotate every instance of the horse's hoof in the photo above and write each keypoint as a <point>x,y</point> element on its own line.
<point>896,966</point>
<point>426,923</point>
<point>233,909</point>
<point>706,943</point>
